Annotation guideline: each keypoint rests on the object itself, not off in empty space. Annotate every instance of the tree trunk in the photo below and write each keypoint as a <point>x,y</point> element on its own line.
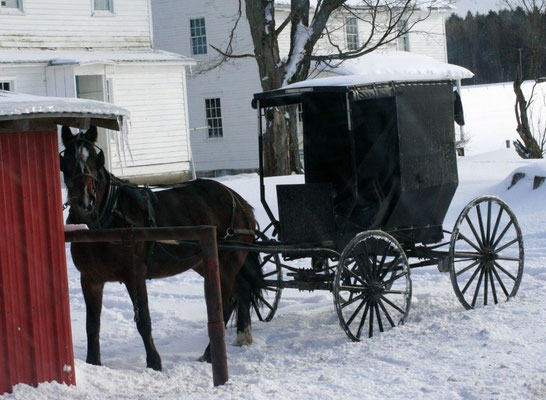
<point>528,147</point>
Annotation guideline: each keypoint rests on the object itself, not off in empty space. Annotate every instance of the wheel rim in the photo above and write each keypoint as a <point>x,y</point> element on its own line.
<point>372,285</point>
<point>270,264</point>
<point>272,271</point>
<point>486,253</point>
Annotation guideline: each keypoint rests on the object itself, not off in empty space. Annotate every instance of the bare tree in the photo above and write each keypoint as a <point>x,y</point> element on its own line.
<point>388,20</point>
<point>533,141</point>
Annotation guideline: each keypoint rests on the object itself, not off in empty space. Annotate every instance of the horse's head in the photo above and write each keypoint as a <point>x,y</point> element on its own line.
<point>82,163</point>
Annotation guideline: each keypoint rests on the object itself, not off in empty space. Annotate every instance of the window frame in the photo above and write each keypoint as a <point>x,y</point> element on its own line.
<point>12,10</point>
<point>352,39</point>
<point>202,46</point>
<point>403,41</point>
<point>10,82</point>
<point>103,13</point>
<point>214,131</point>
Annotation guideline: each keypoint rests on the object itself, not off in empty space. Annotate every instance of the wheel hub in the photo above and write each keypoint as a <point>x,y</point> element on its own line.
<point>489,256</point>
<point>375,290</point>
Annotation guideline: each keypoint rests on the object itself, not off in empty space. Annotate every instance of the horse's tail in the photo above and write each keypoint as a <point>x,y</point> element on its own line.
<point>250,284</point>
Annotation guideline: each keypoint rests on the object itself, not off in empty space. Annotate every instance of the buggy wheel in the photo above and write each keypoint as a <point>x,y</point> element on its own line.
<point>272,271</point>
<point>486,253</point>
<point>372,285</point>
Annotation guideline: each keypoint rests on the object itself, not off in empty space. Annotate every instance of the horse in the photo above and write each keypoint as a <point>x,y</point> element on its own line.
<point>101,200</point>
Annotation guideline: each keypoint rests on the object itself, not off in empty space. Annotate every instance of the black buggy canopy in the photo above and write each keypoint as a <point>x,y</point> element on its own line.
<point>387,150</point>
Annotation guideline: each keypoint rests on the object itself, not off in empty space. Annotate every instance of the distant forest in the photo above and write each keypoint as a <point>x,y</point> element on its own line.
<point>494,45</point>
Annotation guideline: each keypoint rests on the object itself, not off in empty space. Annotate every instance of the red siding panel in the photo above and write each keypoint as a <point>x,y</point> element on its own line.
<point>35,334</point>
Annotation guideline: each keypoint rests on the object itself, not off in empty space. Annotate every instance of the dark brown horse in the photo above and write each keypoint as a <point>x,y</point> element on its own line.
<point>100,200</point>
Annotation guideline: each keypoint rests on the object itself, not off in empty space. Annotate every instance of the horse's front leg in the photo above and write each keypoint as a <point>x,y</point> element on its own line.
<point>92,294</point>
<point>136,286</point>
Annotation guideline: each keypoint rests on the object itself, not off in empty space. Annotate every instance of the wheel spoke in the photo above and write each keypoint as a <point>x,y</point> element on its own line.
<point>508,259</point>
<point>394,278</point>
<point>479,212</point>
<point>355,313</point>
<point>510,243</point>
<point>488,237</point>
<point>394,292</point>
<point>386,313</point>
<point>265,302</point>
<point>493,290</point>
<point>378,317</point>
<point>391,266</point>
<point>505,271</point>
<point>500,282</point>
<point>257,310</point>
<point>485,284</point>
<point>358,278</point>
<point>384,257</point>
<point>353,300</point>
<point>477,291</point>
<point>370,329</point>
<point>361,325</point>
<point>497,222</point>
<point>361,267</point>
<point>390,303</point>
<point>502,234</point>
<point>469,242</point>
<point>474,231</point>
<point>462,271</point>
<point>470,280</point>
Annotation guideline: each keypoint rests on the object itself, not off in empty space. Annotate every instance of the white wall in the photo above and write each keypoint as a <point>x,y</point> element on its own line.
<point>154,95</point>
<point>233,84</point>
<point>72,24</point>
<point>236,82</point>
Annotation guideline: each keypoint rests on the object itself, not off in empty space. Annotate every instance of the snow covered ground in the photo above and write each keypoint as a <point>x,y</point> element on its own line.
<point>442,352</point>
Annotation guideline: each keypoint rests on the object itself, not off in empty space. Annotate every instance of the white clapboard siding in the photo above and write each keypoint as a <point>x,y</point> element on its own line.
<point>72,24</point>
<point>236,82</point>
<point>29,80</point>
<point>158,133</point>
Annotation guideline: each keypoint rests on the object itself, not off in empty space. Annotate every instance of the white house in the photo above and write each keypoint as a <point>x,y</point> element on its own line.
<point>102,50</point>
<point>220,98</point>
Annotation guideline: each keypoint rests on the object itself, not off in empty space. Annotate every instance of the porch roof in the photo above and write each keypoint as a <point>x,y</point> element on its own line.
<point>86,57</point>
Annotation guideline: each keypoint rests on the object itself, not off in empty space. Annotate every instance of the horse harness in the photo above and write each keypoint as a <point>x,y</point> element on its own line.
<point>109,210</point>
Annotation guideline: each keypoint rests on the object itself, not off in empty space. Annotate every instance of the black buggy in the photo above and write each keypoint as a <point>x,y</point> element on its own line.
<point>380,173</point>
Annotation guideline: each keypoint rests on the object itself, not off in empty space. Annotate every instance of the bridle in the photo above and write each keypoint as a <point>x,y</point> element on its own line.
<point>91,180</point>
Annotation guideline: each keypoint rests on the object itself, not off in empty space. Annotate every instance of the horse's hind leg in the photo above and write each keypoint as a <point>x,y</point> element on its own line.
<point>92,294</point>
<point>136,286</point>
<point>244,334</point>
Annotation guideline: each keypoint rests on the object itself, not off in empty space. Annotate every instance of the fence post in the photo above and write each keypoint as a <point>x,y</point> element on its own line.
<point>213,297</point>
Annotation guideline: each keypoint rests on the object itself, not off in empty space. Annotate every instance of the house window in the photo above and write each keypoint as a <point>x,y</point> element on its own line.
<point>10,4</point>
<point>214,117</point>
<point>4,85</point>
<point>103,5</point>
<point>198,34</point>
<point>403,39</point>
<point>351,33</point>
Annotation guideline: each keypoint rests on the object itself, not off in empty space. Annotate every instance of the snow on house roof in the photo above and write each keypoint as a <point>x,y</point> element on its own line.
<point>81,57</point>
<point>437,4</point>
<point>17,106</point>
<point>387,66</point>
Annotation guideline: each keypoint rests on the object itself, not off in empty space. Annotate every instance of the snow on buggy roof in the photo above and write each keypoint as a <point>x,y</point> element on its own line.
<point>376,69</point>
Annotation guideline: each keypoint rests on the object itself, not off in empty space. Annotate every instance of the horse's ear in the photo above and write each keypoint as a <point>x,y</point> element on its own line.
<point>66,135</point>
<point>91,134</point>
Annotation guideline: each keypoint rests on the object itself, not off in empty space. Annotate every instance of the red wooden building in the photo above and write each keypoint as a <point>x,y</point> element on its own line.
<point>35,334</point>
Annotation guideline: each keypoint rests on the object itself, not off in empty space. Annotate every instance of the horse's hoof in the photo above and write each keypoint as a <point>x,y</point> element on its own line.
<point>154,364</point>
<point>93,362</point>
<point>206,357</point>
<point>243,338</point>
